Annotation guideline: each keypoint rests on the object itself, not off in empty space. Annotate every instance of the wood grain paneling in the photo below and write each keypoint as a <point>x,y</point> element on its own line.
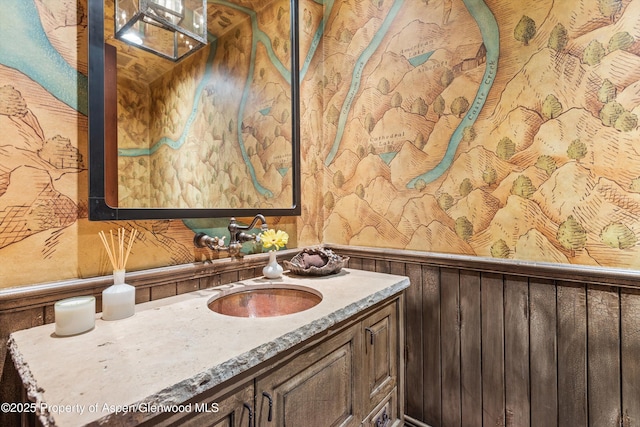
<point>603,351</point>
<point>536,347</point>
<point>355,262</point>
<point>414,392</point>
<point>572,354</point>
<point>450,346</point>
<point>630,351</point>
<point>383,266</point>
<point>470,349</point>
<point>164,291</point>
<point>542,339</point>
<point>369,264</point>
<point>516,351</point>
<point>432,379</point>
<point>493,387</point>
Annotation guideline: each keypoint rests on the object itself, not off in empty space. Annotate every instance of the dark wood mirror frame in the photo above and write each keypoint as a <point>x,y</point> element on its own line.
<point>103,145</point>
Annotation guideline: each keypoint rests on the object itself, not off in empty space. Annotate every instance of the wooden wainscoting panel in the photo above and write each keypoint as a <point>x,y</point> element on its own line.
<point>547,345</point>
<point>493,390</point>
<point>432,378</point>
<point>572,354</point>
<point>383,266</point>
<point>603,349</point>
<point>450,346</point>
<point>250,273</point>
<point>414,390</point>
<point>470,348</point>
<point>188,286</point>
<point>143,294</point>
<point>164,291</point>
<point>229,277</point>
<point>399,268</point>
<point>210,281</point>
<point>543,348</point>
<point>630,349</point>
<point>355,262</point>
<point>516,351</point>
<point>369,264</point>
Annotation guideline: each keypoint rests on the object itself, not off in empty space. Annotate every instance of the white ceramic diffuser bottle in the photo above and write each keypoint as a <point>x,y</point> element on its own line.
<point>119,299</point>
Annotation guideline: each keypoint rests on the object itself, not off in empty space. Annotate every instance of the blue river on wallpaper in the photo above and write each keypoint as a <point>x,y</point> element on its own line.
<point>491,39</point>
<point>31,53</point>
<point>490,36</point>
<point>328,7</point>
<point>362,60</point>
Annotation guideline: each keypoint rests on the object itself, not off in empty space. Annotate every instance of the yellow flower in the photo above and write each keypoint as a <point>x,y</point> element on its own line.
<point>273,238</point>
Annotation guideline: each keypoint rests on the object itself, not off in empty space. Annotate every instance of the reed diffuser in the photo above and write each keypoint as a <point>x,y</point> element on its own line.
<point>119,299</point>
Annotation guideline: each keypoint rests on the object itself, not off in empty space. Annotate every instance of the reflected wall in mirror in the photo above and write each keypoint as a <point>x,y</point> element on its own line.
<point>215,134</point>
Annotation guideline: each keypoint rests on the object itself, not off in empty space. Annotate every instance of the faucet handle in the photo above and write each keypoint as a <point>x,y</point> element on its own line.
<point>202,240</point>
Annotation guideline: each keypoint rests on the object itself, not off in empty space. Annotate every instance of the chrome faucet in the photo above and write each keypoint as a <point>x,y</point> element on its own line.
<point>237,237</point>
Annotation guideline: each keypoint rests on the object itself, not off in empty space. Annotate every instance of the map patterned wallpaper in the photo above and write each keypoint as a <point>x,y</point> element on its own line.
<point>495,128</point>
<point>514,138</point>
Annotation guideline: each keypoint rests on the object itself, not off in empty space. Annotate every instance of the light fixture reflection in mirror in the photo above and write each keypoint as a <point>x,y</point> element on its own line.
<point>169,28</point>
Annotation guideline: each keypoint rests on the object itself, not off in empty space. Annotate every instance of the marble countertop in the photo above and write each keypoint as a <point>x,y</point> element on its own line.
<point>175,348</point>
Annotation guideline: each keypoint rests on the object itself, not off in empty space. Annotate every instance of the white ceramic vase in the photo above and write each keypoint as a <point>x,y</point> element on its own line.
<point>272,270</point>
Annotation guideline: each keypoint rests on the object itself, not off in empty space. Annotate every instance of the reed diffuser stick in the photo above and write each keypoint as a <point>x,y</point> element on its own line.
<point>118,254</point>
<point>106,246</point>
<point>132,237</point>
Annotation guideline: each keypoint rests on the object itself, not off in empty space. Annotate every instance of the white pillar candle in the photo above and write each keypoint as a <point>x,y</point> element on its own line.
<point>119,299</point>
<point>75,315</point>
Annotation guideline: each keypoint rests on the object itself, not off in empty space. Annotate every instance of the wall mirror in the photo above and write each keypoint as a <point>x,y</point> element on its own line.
<point>215,134</point>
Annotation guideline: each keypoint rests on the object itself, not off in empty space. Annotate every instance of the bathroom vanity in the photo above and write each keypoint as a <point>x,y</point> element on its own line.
<point>178,362</point>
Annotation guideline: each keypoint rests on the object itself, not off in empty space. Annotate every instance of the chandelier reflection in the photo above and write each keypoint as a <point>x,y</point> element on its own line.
<point>169,28</point>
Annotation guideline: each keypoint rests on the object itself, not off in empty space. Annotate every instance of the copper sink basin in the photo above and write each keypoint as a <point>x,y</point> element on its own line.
<point>261,301</point>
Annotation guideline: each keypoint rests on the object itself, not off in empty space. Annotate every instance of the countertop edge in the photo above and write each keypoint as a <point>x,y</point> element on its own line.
<point>217,375</point>
<point>33,391</point>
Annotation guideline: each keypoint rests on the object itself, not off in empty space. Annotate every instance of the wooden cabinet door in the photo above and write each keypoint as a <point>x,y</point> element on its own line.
<point>318,388</point>
<point>231,410</point>
<point>381,345</point>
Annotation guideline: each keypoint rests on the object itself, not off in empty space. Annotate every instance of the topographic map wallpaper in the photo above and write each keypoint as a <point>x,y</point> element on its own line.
<point>493,128</point>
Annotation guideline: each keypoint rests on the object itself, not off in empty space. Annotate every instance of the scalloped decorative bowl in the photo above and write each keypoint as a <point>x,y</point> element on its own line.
<point>334,263</point>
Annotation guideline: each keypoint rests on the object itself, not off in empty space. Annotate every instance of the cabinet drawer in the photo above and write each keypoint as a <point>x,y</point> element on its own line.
<point>385,414</point>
